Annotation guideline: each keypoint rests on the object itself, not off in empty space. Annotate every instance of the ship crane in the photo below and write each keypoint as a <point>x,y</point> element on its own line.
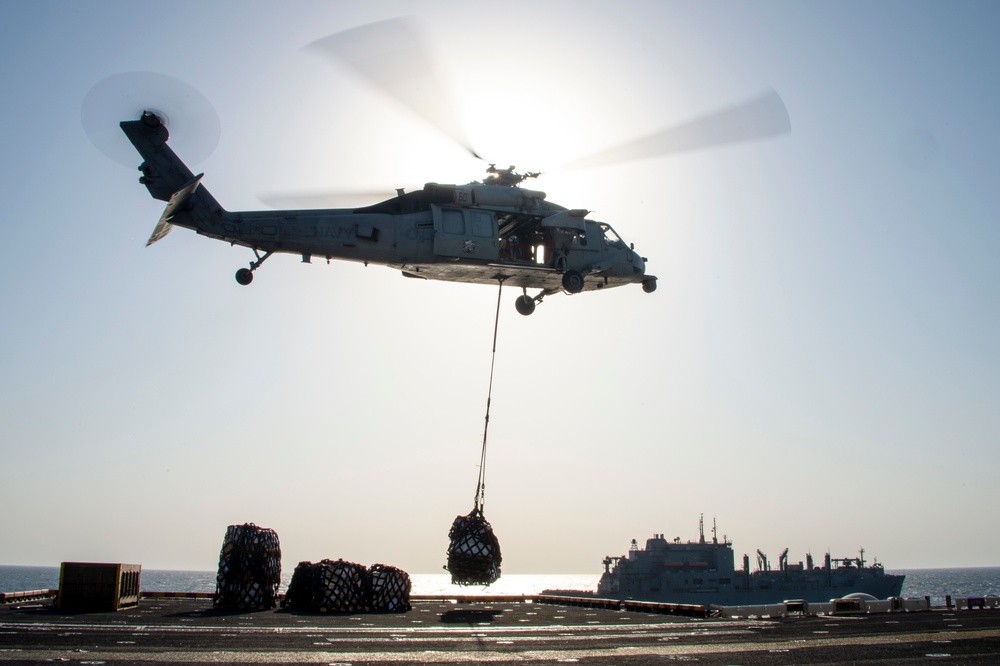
<point>762,561</point>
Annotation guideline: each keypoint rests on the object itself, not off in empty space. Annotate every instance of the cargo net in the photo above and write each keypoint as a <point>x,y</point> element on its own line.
<point>390,589</point>
<point>474,553</point>
<point>249,569</point>
<point>345,587</point>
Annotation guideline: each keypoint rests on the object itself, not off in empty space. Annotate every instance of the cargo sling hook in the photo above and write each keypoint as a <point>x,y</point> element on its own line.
<point>481,485</point>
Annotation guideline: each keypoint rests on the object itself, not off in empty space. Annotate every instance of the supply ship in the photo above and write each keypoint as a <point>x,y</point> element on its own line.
<point>703,572</point>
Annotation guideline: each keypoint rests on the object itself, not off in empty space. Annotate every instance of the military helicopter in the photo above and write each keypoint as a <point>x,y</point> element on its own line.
<point>493,231</point>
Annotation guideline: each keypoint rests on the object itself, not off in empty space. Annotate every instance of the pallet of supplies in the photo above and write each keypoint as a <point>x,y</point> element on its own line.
<point>389,588</point>
<point>249,569</point>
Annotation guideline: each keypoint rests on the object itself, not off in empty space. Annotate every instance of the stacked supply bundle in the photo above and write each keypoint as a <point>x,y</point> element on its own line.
<point>341,587</point>
<point>249,569</point>
<point>474,552</point>
<point>328,587</point>
<point>299,594</point>
<point>389,588</point>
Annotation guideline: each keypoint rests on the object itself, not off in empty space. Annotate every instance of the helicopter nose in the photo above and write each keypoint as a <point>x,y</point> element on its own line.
<point>638,264</point>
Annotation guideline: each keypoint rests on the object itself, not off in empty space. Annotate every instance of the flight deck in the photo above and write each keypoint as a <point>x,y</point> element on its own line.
<point>488,630</point>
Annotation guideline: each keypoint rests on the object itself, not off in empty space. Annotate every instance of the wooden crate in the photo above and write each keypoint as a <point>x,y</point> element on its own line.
<point>98,586</point>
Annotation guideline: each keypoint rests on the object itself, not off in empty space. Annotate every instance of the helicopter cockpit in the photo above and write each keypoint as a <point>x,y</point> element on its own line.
<point>554,240</point>
<point>611,238</point>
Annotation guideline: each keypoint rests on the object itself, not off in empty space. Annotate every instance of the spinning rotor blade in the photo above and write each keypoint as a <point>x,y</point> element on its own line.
<point>759,118</point>
<point>194,125</point>
<point>389,55</point>
<point>324,199</point>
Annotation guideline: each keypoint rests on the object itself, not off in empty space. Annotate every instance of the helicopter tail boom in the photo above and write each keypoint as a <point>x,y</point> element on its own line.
<point>168,179</point>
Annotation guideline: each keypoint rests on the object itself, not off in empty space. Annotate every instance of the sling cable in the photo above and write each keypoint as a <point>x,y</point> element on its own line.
<point>474,552</point>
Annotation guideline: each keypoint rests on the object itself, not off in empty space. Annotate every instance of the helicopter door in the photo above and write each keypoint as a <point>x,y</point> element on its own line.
<point>466,234</point>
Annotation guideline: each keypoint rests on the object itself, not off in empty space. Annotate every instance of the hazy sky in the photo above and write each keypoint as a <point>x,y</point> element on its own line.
<point>819,369</point>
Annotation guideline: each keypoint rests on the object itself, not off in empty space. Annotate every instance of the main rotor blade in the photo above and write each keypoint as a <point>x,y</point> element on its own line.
<point>389,55</point>
<point>759,118</point>
<point>313,199</point>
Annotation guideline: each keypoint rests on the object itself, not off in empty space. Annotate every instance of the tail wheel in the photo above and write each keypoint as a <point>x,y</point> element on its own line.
<point>572,281</point>
<point>525,305</point>
<point>244,276</point>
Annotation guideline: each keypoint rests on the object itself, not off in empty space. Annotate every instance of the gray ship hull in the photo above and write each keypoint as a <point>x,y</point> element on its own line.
<point>703,573</point>
<point>769,593</point>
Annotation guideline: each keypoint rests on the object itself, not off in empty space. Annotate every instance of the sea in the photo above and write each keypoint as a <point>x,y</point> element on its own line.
<point>933,583</point>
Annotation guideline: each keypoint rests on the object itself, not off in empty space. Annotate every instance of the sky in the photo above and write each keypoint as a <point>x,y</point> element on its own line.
<point>818,370</point>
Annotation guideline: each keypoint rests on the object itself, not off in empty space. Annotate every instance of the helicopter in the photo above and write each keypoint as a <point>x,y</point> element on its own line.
<point>482,232</point>
<point>492,231</point>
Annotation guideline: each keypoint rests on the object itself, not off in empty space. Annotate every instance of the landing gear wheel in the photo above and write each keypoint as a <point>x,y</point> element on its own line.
<point>649,285</point>
<point>244,276</point>
<point>572,281</point>
<point>525,305</point>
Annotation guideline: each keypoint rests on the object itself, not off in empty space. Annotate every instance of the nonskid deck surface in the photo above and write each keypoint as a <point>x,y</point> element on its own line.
<point>176,631</point>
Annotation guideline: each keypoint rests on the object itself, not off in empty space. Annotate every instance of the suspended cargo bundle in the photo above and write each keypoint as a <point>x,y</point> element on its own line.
<point>390,589</point>
<point>249,569</point>
<point>474,553</point>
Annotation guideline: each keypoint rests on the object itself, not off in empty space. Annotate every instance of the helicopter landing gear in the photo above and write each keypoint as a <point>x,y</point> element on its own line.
<point>245,275</point>
<point>525,304</point>
<point>649,285</point>
<point>572,281</point>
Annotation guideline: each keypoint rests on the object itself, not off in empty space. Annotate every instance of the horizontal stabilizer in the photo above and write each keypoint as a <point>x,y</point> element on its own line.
<point>177,201</point>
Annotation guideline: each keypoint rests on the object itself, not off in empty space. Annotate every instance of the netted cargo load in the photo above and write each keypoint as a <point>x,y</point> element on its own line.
<point>474,552</point>
<point>249,569</point>
<point>299,594</point>
<point>328,587</point>
<point>389,588</point>
<point>341,587</point>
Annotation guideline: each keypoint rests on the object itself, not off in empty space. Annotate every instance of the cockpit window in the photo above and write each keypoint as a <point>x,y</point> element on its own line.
<point>610,237</point>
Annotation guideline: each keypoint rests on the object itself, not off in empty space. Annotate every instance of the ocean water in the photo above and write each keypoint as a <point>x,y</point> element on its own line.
<point>959,583</point>
<point>15,579</point>
<point>933,583</point>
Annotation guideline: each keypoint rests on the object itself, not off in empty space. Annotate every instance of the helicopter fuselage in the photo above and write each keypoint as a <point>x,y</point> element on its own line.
<point>441,242</point>
<point>481,233</point>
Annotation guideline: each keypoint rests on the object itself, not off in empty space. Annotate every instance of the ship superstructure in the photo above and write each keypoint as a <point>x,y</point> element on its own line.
<point>703,572</point>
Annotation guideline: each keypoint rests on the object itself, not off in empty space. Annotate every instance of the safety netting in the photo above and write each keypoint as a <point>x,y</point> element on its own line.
<point>249,569</point>
<point>474,553</point>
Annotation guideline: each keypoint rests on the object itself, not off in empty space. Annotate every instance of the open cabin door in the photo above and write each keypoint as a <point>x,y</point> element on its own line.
<point>465,233</point>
